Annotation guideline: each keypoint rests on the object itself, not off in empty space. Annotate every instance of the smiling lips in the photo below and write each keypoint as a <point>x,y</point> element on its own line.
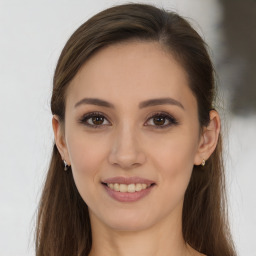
<point>127,189</point>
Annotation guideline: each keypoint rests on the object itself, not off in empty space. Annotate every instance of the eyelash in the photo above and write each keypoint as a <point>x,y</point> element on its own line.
<point>171,119</point>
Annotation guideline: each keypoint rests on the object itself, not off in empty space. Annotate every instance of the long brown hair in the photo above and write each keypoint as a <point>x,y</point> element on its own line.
<point>63,224</point>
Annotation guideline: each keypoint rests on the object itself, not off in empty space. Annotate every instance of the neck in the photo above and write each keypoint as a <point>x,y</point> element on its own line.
<point>163,239</point>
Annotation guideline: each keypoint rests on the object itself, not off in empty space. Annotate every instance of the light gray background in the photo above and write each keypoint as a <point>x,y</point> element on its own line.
<point>32,34</point>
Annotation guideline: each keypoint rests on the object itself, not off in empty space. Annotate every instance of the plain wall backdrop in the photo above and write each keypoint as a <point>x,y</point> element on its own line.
<point>32,35</point>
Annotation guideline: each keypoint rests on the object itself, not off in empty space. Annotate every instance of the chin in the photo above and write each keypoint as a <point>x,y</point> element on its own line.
<point>128,221</point>
<point>128,226</point>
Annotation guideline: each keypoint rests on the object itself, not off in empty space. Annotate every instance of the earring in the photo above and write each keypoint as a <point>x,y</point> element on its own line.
<point>203,163</point>
<point>65,165</point>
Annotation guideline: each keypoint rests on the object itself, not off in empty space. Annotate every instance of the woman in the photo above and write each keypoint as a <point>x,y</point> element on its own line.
<point>137,165</point>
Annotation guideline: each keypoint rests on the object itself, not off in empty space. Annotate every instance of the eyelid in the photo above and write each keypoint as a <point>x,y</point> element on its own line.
<point>85,117</point>
<point>172,120</point>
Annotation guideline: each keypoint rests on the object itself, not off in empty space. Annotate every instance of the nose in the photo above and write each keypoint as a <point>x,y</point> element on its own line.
<point>126,151</point>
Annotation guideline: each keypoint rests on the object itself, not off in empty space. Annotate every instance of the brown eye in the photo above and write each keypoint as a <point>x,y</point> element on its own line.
<point>97,120</point>
<point>94,120</point>
<point>159,120</point>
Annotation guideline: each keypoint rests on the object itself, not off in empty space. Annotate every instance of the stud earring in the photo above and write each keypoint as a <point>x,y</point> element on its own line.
<point>65,165</point>
<point>203,163</point>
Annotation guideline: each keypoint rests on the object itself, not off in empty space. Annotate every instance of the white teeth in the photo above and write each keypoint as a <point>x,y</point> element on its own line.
<point>131,188</point>
<point>144,186</point>
<point>138,187</point>
<point>116,187</point>
<point>123,188</point>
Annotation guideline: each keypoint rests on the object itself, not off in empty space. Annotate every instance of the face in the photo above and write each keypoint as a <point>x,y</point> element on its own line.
<point>144,124</point>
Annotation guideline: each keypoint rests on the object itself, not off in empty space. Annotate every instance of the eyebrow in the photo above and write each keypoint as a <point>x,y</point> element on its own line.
<point>143,104</point>
<point>160,101</point>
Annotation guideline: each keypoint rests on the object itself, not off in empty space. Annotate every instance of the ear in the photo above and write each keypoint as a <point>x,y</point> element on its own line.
<point>208,138</point>
<point>59,137</point>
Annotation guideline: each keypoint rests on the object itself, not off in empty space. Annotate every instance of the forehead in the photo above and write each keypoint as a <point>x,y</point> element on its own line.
<point>129,72</point>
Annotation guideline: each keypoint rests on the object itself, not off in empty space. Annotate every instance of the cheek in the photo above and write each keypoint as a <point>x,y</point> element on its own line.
<point>174,158</point>
<point>175,151</point>
<point>86,156</point>
<point>85,151</point>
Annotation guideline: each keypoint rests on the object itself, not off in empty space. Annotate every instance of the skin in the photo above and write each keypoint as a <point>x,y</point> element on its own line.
<point>130,143</point>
